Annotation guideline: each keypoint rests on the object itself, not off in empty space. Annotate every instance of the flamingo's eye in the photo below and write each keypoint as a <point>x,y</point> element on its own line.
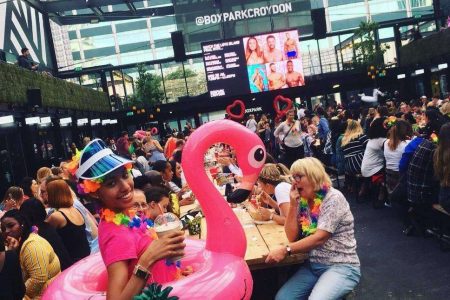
<point>257,157</point>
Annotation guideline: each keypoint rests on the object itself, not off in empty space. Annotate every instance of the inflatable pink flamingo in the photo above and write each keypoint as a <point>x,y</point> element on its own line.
<point>220,269</point>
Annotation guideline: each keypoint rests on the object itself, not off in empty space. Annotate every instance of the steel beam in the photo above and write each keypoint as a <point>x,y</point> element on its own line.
<point>117,16</point>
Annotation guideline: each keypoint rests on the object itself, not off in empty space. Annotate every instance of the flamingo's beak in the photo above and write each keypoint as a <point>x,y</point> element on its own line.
<point>243,191</point>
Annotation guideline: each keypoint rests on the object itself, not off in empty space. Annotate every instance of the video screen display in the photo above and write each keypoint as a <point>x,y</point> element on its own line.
<point>253,64</point>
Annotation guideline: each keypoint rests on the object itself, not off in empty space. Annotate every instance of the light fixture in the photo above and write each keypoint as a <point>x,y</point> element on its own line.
<point>82,122</point>
<point>95,122</point>
<point>158,109</point>
<point>151,116</point>
<point>6,120</point>
<point>46,120</point>
<point>336,86</point>
<point>95,21</point>
<point>143,110</point>
<point>32,120</point>
<point>65,121</point>
<point>419,71</point>
<point>401,76</point>
<point>442,66</point>
<point>105,122</point>
<point>113,121</point>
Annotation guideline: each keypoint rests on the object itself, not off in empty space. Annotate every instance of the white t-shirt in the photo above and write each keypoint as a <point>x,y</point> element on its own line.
<point>282,191</point>
<point>373,160</point>
<point>393,157</point>
<point>252,125</point>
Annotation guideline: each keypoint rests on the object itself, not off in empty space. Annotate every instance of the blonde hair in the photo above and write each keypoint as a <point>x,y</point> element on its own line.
<point>445,108</point>
<point>274,174</point>
<point>313,169</point>
<point>353,131</point>
<point>43,173</point>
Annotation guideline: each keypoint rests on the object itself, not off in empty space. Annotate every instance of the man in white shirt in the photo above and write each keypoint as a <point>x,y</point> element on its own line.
<point>251,123</point>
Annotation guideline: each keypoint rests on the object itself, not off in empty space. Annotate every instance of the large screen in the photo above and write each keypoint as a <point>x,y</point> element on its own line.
<point>253,64</point>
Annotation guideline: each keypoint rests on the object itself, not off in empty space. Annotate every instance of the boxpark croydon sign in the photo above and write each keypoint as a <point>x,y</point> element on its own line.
<point>244,14</point>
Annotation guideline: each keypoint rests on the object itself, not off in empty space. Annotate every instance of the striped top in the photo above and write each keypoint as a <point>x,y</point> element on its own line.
<point>39,264</point>
<point>354,153</point>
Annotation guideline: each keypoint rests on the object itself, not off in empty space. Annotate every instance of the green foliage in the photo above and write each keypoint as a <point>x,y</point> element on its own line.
<point>365,48</point>
<point>178,74</point>
<point>154,291</point>
<point>148,88</point>
<point>15,81</point>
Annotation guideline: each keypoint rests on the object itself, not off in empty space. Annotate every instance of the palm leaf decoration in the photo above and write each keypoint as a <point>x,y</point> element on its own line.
<point>154,291</point>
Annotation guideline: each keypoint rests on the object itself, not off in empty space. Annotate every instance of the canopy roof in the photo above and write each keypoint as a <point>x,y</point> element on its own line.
<point>94,11</point>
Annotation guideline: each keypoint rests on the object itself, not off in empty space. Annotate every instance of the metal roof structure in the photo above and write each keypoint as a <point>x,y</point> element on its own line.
<point>94,11</point>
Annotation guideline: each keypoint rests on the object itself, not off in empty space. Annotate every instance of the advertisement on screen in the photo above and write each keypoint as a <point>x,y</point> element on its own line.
<point>253,64</point>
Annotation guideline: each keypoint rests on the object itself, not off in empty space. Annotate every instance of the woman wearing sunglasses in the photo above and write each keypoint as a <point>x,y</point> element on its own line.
<point>319,222</point>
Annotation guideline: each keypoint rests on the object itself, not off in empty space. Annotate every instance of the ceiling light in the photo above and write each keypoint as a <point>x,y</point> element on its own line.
<point>6,120</point>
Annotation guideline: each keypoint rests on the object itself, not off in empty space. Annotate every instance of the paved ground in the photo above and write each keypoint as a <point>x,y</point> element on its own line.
<point>393,265</point>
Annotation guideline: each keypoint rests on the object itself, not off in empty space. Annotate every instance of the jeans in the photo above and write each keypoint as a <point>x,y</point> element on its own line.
<point>316,281</point>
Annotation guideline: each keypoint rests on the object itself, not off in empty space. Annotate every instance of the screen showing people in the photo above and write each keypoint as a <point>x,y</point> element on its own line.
<point>269,61</point>
<point>273,58</point>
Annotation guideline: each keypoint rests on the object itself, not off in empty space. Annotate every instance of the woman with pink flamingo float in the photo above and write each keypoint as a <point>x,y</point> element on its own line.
<point>131,253</point>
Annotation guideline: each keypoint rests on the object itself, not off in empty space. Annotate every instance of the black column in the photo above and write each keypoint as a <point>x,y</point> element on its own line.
<point>51,46</point>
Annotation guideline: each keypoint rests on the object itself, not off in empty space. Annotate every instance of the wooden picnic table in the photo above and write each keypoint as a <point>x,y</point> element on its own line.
<point>261,238</point>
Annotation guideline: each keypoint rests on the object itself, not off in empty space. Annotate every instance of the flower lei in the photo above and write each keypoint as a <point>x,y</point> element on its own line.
<point>308,217</point>
<point>133,221</point>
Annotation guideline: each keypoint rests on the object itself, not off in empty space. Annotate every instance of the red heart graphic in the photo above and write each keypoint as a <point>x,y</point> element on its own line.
<point>276,105</point>
<point>239,103</point>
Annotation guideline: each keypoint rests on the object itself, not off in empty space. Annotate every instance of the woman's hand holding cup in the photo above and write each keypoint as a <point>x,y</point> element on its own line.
<point>170,245</point>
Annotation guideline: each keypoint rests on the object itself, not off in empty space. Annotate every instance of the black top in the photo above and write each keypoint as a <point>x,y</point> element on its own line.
<point>11,281</point>
<point>49,233</point>
<point>24,62</point>
<point>75,240</point>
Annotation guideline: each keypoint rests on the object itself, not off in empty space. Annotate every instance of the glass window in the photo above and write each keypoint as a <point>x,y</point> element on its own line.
<point>91,81</point>
<point>135,36</point>
<point>386,6</point>
<point>310,56</point>
<point>174,81</point>
<point>74,45</point>
<point>164,52</point>
<point>163,32</point>
<point>347,11</point>
<point>345,51</point>
<point>195,76</point>
<point>95,42</point>
<point>136,57</point>
<point>327,55</point>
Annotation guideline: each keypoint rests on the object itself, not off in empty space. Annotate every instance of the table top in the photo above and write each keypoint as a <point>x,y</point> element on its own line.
<point>261,238</point>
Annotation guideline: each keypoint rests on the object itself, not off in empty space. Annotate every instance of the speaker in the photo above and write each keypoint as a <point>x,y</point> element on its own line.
<point>178,46</point>
<point>319,23</point>
<point>34,98</point>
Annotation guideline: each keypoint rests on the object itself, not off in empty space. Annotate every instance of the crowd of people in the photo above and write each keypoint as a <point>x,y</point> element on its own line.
<point>398,150</point>
<point>86,205</point>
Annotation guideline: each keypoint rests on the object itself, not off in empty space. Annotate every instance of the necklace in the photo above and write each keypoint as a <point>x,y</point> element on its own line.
<point>131,220</point>
<point>308,217</point>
